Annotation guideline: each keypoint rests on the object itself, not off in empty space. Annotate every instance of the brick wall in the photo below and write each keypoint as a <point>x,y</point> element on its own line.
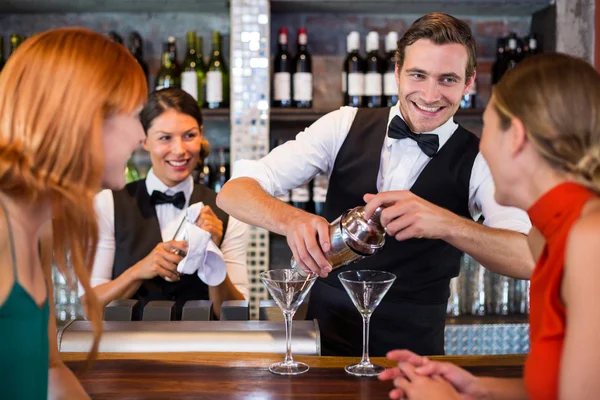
<point>327,43</point>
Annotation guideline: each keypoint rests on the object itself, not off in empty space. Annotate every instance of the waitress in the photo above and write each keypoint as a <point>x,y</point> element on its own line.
<point>136,255</point>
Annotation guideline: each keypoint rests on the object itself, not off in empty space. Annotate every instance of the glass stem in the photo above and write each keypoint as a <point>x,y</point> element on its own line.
<point>288,337</point>
<point>365,356</point>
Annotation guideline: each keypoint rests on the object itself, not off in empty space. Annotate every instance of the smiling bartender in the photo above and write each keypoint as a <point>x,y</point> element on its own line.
<point>434,182</point>
<point>136,257</point>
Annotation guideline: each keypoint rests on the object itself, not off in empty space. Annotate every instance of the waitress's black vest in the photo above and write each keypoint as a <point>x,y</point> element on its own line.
<point>412,314</point>
<point>137,232</point>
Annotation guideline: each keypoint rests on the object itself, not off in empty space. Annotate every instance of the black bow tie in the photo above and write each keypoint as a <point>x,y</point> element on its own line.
<point>178,199</point>
<point>428,142</point>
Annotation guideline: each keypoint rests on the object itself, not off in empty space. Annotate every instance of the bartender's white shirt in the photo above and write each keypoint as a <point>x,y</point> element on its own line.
<point>233,246</point>
<point>315,149</point>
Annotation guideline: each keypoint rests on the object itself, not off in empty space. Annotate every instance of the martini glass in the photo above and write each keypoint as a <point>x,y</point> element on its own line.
<point>288,287</point>
<point>366,288</point>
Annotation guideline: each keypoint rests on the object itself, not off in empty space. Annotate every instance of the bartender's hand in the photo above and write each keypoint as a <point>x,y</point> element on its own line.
<point>308,237</point>
<point>408,216</point>
<point>209,221</point>
<point>162,261</point>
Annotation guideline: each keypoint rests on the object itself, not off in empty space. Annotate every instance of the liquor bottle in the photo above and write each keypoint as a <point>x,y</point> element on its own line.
<point>193,73</point>
<point>282,72</point>
<point>302,87</point>
<point>301,197</point>
<point>2,59</point>
<point>221,172</point>
<point>115,37</point>
<point>217,77</point>
<point>469,100</point>
<point>499,63</point>
<point>390,88</point>
<point>173,54</point>
<point>354,70</point>
<point>320,185</point>
<point>205,173</point>
<point>373,72</point>
<point>200,62</point>
<point>168,76</point>
<point>136,46</point>
<point>512,57</point>
<point>15,41</point>
<point>131,172</point>
<point>531,46</point>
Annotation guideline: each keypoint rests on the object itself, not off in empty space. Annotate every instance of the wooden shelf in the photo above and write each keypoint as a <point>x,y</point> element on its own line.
<point>92,6</point>
<point>456,7</point>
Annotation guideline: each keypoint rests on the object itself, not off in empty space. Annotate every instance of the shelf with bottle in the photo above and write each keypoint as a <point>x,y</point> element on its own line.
<point>130,6</point>
<point>455,7</point>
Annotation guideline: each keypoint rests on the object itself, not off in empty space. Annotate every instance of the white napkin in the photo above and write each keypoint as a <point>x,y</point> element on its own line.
<point>204,257</point>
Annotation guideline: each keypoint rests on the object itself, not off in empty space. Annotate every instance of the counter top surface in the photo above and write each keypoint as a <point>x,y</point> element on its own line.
<point>246,376</point>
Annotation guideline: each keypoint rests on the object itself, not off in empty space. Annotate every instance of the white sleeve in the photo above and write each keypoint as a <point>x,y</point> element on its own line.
<point>298,161</point>
<point>105,250</point>
<point>234,248</point>
<point>482,201</point>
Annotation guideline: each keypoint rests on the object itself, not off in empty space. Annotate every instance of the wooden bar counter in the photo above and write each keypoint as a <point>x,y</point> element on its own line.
<point>246,376</point>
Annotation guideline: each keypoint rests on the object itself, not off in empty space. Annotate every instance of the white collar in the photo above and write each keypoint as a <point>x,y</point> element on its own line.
<point>154,183</point>
<point>443,131</point>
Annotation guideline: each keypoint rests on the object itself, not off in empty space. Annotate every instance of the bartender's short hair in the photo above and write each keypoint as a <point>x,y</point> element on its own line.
<point>169,99</point>
<point>440,29</point>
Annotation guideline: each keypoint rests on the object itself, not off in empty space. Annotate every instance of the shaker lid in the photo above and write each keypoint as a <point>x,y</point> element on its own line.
<point>363,235</point>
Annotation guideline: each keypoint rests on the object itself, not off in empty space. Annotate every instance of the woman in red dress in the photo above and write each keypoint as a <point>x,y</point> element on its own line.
<point>541,139</point>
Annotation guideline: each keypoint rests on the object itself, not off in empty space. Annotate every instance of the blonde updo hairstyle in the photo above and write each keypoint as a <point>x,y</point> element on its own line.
<point>557,98</point>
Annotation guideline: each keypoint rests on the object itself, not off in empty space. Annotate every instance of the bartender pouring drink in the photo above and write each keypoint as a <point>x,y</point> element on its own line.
<point>417,162</point>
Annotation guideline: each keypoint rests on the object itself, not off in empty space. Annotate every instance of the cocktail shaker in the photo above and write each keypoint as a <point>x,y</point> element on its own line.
<point>353,237</point>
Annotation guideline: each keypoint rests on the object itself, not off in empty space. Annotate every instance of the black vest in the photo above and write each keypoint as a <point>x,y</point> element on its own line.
<point>137,232</point>
<point>412,313</point>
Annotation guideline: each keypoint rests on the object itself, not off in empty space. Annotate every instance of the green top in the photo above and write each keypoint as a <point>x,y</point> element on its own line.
<point>23,340</point>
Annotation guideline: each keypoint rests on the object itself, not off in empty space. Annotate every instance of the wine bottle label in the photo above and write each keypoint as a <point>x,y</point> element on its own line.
<point>285,197</point>
<point>389,84</point>
<point>319,194</point>
<point>356,84</point>
<point>344,82</point>
<point>303,86</point>
<point>282,86</point>
<point>214,87</point>
<point>373,83</point>
<point>301,194</point>
<point>189,83</point>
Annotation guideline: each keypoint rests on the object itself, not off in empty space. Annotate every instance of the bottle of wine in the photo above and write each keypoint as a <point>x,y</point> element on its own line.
<point>2,59</point>
<point>302,88</point>
<point>390,88</point>
<point>320,185</point>
<point>282,72</point>
<point>217,77</point>
<point>531,45</point>
<point>173,54</point>
<point>168,76</point>
<point>373,73</point>
<point>499,63</point>
<point>200,62</point>
<point>512,57</point>
<point>301,197</point>
<point>354,72</point>
<point>115,37</point>
<point>15,41</point>
<point>222,171</point>
<point>131,172</point>
<point>193,73</point>
<point>136,46</point>
<point>469,100</point>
